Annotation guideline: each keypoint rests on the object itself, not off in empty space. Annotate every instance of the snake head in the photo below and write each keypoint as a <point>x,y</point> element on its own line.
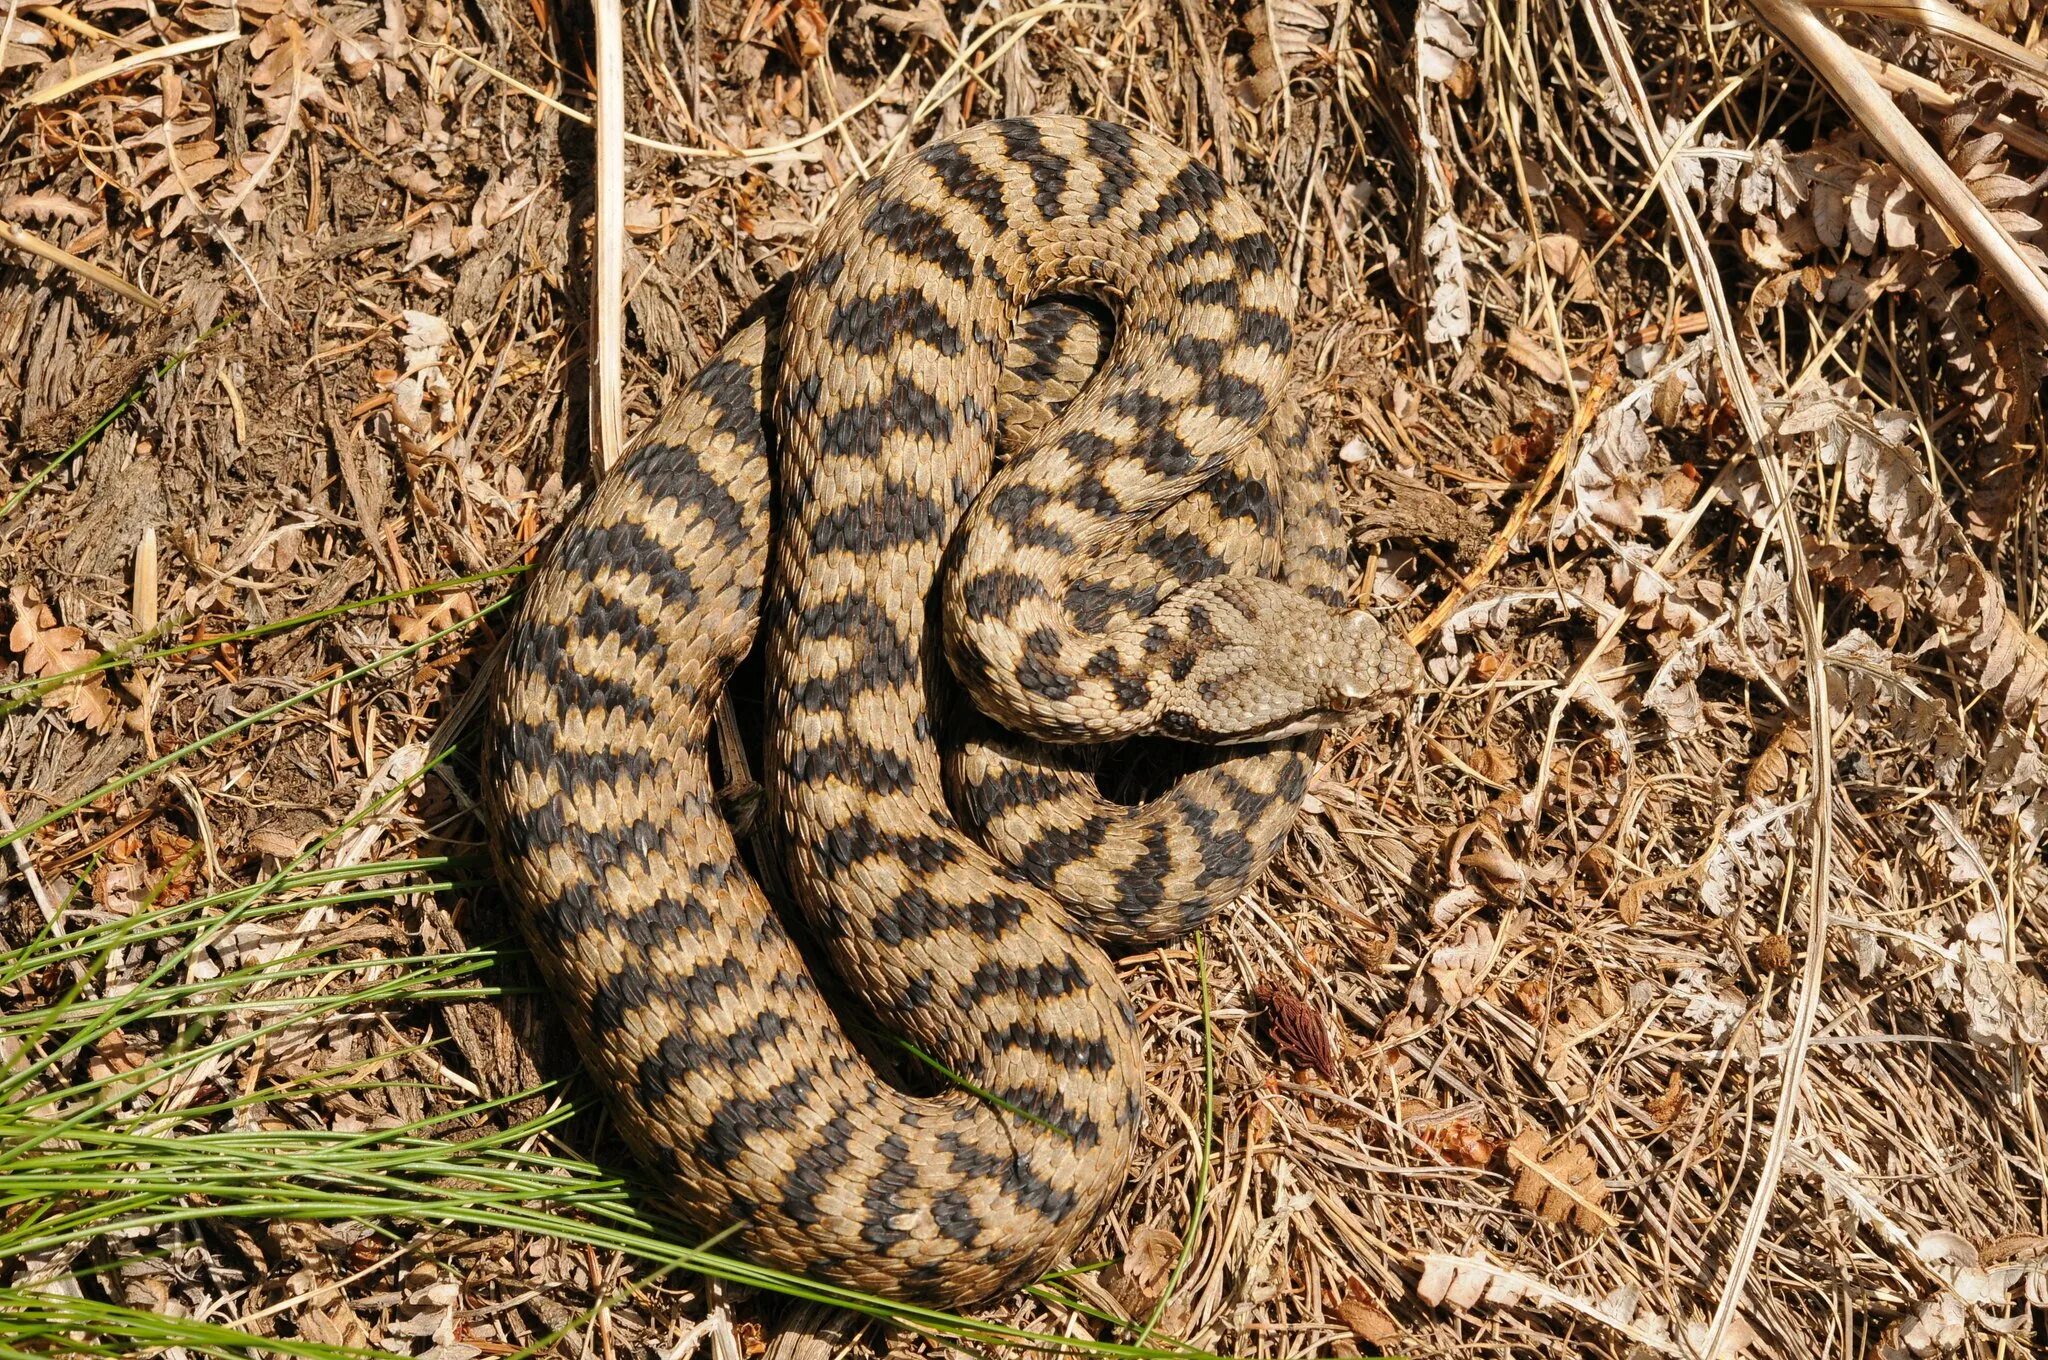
<point>1383,669</point>
<point>1282,665</point>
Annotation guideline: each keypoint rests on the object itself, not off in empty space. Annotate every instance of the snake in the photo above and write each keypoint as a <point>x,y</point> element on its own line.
<point>1160,558</point>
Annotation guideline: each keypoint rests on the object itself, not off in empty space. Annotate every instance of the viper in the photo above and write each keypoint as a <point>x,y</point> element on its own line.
<point>1162,556</point>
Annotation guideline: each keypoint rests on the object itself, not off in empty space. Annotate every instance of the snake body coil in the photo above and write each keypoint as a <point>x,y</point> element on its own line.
<point>1083,597</point>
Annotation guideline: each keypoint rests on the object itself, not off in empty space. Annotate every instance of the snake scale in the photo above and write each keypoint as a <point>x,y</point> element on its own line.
<point>1162,555</point>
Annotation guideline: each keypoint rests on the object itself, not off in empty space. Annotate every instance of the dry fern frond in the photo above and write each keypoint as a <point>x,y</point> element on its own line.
<point>1878,583</point>
<point>1996,490</point>
<point>1286,34</point>
<point>2004,16</point>
<point>1837,196</point>
<point>1465,1282</point>
<point>1841,69</point>
<point>1445,43</point>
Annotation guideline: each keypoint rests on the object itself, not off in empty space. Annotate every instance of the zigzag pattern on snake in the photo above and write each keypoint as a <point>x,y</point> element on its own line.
<point>1133,570</point>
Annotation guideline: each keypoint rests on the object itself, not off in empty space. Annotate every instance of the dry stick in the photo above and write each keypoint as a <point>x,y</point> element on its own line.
<point>1590,407</point>
<point>1839,67</point>
<point>63,19</point>
<point>29,875</point>
<point>607,435</point>
<point>1778,484</point>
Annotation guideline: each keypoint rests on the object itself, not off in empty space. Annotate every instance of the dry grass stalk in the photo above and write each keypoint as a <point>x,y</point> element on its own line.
<point>608,267</point>
<point>1770,461</point>
<point>64,18</point>
<point>121,66</point>
<point>1933,95</point>
<point>1946,21</point>
<point>23,239</point>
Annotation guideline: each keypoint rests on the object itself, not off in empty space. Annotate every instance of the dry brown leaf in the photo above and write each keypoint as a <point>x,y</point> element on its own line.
<point>46,205</point>
<point>1771,771</point>
<point>1526,446</point>
<point>926,19</point>
<point>1565,1187</point>
<point>811,30</point>
<point>1673,1105</point>
<point>1451,974</point>
<point>89,703</point>
<point>1138,1280</point>
<point>1368,1321</point>
<point>1459,1135</point>
<point>1445,43</point>
<point>27,45</point>
<point>114,1056</point>
<point>1628,906</point>
<point>48,648</point>
<point>1151,1256</point>
<point>1528,350</point>
<point>45,647</point>
<point>1875,580</point>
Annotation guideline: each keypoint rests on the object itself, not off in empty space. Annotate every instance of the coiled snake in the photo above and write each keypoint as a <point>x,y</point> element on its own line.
<point>1164,557</point>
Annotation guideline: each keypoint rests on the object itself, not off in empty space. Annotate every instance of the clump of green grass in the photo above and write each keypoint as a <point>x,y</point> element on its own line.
<point>84,1158</point>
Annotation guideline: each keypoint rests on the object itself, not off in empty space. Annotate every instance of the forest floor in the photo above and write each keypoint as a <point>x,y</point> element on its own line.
<point>294,379</point>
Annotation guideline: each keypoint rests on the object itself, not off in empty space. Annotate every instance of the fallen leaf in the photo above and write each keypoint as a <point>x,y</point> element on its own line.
<point>1672,1106</point>
<point>1152,1254</point>
<point>1565,1187</point>
<point>1368,1321</point>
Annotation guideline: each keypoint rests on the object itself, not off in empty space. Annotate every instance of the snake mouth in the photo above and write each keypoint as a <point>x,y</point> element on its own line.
<point>1182,728</point>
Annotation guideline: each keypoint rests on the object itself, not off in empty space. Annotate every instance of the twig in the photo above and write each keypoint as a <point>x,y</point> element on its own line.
<point>1615,53</point>
<point>64,19</point>
<point>26,862</point>
<point>1590,406</point>
<point>607,437</point>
